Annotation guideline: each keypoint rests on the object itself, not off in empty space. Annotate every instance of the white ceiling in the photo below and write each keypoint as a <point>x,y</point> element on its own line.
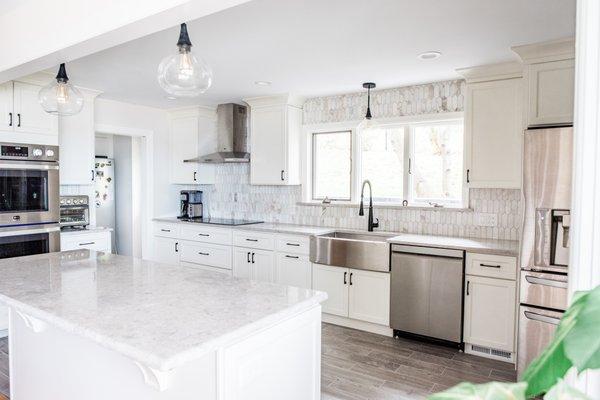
<point>318,47</point>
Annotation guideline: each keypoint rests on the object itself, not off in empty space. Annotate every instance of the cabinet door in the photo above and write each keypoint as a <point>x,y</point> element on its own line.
<point>263,265</point>
<point>293,270</point>
<point>241,262</point>
<point>369,297</point>
<point>494,130</point>
<point>268,145</point>
<point>490,312</point>
<point>166,250</point>
<point>30,116</point>
<point>77,146</point>
<point>184,145</point>
<point>551,92</point>
<point>333,281</point>
<point>7,117</point>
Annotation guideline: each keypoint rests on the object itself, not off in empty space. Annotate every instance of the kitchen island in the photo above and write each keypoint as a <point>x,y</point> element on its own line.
<point>87,325</point>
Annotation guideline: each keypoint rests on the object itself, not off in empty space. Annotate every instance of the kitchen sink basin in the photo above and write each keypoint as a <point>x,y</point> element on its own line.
<point>360,250</point>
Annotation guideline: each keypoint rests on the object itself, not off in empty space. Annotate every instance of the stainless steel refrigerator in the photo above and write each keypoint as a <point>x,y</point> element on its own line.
<point>544,255</point>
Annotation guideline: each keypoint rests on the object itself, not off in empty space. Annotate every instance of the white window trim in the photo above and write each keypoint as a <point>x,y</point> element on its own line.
<point>353,127</point>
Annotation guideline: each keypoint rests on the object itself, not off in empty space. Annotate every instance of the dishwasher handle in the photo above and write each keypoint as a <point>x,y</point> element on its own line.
<point>428,251</point>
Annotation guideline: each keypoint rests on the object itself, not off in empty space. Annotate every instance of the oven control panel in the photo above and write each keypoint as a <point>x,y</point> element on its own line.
<point>30,152</point>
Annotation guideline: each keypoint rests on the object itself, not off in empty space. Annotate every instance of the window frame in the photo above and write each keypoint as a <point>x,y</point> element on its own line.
<point>354,127</point>
<point>350,176</point>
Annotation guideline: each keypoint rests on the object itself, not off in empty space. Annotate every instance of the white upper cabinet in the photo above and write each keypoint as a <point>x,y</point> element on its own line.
<point>187,127</point>
<point>550,76</point>
<point>22,119</point>
<point>494,126</point>
<point>77,144</point>
<point>275,126</point>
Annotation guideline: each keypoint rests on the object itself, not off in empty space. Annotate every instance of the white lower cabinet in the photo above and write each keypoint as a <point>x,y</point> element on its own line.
<point>293,270</point>
<point>254,264</point>
<point>166,250</point>
<point>357,294</point>
<point>98,241</point>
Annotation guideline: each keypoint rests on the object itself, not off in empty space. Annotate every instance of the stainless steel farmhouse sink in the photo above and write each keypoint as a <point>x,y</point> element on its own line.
<point>369,251</point>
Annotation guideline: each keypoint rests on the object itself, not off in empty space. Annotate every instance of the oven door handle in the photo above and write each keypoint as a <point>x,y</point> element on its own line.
<point>546,282</point>
<point>29,231</point>
<point>38,165</point>
<point>541,318</point>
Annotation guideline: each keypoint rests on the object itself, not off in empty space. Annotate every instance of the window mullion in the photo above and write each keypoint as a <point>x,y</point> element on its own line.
<point>407,161</point>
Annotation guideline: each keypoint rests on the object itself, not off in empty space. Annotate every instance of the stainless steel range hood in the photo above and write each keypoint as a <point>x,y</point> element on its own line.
<point>232,136</point>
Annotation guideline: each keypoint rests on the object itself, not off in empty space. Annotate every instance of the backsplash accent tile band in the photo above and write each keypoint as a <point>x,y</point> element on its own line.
<point>232,196</point>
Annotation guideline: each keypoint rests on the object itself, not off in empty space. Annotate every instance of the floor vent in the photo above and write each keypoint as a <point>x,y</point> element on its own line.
<point>492,353</point>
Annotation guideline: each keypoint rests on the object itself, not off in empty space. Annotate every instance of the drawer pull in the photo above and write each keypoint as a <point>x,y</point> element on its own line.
<point>541,318</point>
<point>86,243</point>
<point>203,254</point>
<point>251,240</point>
<point>165,230</point>
<point>204,234</point>
<point>546,282</point>
<point>293,244</point>
<point>490,265</point>
<point>287,256</point>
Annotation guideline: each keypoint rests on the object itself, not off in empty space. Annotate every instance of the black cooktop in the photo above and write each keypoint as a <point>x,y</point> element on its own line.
<point>221,221</point>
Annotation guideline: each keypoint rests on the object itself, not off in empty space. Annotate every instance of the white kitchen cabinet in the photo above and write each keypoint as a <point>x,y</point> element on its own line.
<point>275,127</point>
<point>242,263</point>
<point>493,133</point>
<point>23,119</point>
<point>77,144</point>
<point>551,92</point>
<point>208,254</point>
<point>369,296</point>
<point>490,306</point>
<point>254,264</point>
<point>91,240</point>
<point>334,282</point>
<point>186,129</point>
<point>166,250</point>
<point>293,270</point>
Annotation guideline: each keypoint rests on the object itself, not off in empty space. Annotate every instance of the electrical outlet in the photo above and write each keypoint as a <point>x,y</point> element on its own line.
<point>488,219</point>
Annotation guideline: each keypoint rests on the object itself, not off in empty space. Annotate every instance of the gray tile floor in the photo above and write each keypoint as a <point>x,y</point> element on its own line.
<point>358,365</point>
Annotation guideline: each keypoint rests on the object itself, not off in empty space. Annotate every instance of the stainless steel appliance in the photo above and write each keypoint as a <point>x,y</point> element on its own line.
<point>29,184</point>
<point>190,204</point>
<point>28,240</point>
<point>427,292</point>
<point>74,211</point>
<point>544,254</point>
<point>221,221</point>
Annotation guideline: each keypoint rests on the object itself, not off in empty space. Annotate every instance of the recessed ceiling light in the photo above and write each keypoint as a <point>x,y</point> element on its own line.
<point>429,55</point>
<point>262,83</point>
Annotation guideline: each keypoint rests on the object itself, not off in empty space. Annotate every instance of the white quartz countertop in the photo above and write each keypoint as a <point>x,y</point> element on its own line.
<point>88,230</point>
<point>156,314</point>
<point>489,246</point>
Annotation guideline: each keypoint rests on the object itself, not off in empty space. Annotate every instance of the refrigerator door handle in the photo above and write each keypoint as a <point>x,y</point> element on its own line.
<point>546,282</point>
<point>541,318</point>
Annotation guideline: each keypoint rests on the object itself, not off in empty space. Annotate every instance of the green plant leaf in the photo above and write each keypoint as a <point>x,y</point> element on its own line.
<point>562,391</point>
<point>553,363</point>
<point>486,391</point>
<point>582,345</point>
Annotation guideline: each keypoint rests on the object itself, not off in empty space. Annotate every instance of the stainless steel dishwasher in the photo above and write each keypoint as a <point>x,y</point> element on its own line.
<point>427,292</point>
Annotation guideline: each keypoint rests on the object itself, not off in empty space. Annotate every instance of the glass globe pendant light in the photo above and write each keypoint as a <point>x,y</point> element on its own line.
<point>368,122</point>
<point>60,97</point>
<point>184,74</point>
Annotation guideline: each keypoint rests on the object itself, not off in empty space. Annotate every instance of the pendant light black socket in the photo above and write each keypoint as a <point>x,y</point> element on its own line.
<point>62,74</point>
<point>368,86</point>
<point>184,38</point>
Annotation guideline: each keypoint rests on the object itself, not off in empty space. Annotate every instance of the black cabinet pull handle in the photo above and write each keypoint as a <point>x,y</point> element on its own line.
<point>251,240</point>
<point>86,243</point>
<point>195,176</point>
<point>293,244</point>
<point>18,120</point>
<point>468,173</point>
<point>252,258</point>
<point>248,257</point>
<point>92,175</point>
<point>176,247</point>
<point>490,265</point>
<point>409,166</point>
<point>287,256</point>
<point>345,282</point>
<point>203,254</point>
<point>282,173</point>
<point>10,119</point>
<point>165,230</point>
<point>351,273</point>
<point>468,284</point>
<point>204,234</point>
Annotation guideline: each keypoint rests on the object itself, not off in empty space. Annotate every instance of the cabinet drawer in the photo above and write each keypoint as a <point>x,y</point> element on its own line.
<point>97,242</point>
<point>491,266</point>
<point>212,255</point>
<point>206,234</point>
<point>166,230</point>
<point>293,244</point>
<point>254,240</point>
<point>224,271</point>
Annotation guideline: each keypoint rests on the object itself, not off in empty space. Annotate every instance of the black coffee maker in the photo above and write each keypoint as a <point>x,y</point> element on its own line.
<point>191,204</point>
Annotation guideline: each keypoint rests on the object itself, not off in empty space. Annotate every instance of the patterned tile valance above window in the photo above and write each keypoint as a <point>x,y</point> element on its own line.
<point>430,98</point>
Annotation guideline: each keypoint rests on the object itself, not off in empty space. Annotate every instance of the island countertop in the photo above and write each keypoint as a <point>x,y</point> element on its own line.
<point>156,314</point>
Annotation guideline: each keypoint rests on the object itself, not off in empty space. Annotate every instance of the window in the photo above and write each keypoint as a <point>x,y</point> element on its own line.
<point>421,163</point>
<point>332,165</point>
